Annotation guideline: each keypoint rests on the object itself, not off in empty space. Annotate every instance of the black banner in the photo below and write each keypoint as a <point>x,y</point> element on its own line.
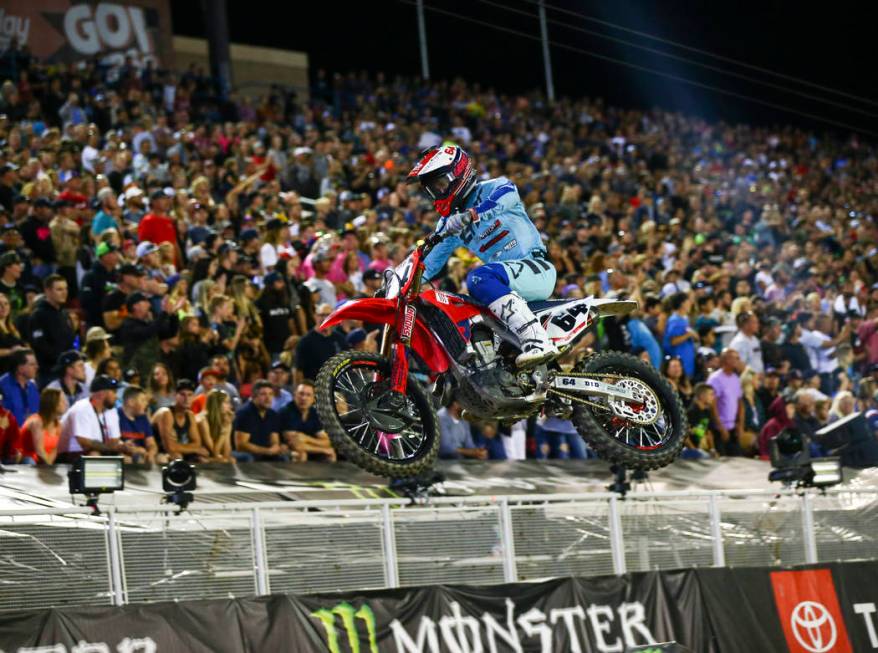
<point>816,609</point>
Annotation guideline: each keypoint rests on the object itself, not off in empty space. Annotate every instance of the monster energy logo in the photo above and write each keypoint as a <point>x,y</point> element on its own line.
<point>349,617</point>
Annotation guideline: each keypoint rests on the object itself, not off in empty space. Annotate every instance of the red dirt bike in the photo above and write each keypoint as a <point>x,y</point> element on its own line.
<point>383,419</point>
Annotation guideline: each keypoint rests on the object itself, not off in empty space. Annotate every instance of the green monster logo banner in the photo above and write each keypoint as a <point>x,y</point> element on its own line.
<point>349,617</point>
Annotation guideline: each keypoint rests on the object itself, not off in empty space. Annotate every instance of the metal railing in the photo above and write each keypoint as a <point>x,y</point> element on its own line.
<point>68,556</point>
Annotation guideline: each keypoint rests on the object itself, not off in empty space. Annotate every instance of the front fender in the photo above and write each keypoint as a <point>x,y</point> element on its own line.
<point>378,310</point>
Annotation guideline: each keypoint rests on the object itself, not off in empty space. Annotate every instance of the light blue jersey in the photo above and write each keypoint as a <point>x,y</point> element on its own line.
<point>503,232</point>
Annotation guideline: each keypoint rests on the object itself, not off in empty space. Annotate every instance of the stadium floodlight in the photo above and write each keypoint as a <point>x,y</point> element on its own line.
<point>178,481</point>
<point>95,475</point>
<point>792,463</point>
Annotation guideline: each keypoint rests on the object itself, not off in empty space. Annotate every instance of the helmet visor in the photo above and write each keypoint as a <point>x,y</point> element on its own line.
<point>438,186</point>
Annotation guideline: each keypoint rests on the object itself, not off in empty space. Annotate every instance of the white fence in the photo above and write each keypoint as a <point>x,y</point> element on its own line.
<point>70,557</point>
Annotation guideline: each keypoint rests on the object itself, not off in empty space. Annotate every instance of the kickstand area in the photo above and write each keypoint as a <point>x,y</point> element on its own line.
<point>623,477</point>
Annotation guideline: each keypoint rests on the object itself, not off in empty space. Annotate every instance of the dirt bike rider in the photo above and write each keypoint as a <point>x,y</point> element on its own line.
<point>489,219</point>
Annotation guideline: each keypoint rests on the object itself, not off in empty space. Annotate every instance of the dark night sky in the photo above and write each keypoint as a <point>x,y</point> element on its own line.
<point>832,48</point>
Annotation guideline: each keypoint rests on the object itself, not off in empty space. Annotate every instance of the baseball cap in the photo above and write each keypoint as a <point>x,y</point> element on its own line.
<point>43,201</point>
<point>135,298</point>
<point>248,235</point>
<point>271,277</point>
<point>130,268</point>
<point>370,275</point>
<point>185,384</point>
<point>771,371</point>
<point>132,192</point>
<point>130,374</point>
<point>157,195</point>
<point>103,382</point>
<point>105,248</point>
<point>146,248</point>
<point>69,358</point>
<point>355,337</point>
<point>209,371</point>
<point>97,333</point>
<point>227,246</point>
<point>280,365</point>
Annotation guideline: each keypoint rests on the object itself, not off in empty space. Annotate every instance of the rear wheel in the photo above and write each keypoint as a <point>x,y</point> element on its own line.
<point>378,429</point>
<point>646,434</point>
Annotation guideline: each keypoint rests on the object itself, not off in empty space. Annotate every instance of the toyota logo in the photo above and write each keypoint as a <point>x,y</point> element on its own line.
<point>813,627</point>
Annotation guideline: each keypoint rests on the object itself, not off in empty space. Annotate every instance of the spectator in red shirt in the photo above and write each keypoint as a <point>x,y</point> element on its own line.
<point>10,439</point>
<point>157,227</point>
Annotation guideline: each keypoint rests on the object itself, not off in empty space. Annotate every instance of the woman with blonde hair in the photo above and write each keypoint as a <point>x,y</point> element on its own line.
<point>161,388</point>
<point>42,430</point>
<point>10,338</point>
<point>754,412</point>
<point>245,308</point>
<point>215,424</point>
<point>843,405</point>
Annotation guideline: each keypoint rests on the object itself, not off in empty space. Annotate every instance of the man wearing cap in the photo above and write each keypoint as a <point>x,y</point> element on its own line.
<point>97,282</point>
<point>279,377</point>
<point>66,240</point>
<point>52,331</point>
<point>131,278</point>
<point>139,334</point>
<point>276,313</point>
<point>105,218</point>
<point>11,267</point>
<point>180,436</point>
<point>156,226</point>
<point>321,261</point>
<point>90,427</point>
<point>70,376</point>
<point>38,237</point>
<point>133,212</point>
<point>208,379</point>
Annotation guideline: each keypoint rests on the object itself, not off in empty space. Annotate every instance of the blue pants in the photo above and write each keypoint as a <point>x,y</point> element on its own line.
<point>559,446</point>
<point>532,278</point>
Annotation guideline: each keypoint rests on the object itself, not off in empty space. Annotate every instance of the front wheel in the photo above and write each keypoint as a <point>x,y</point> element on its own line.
<point>378,429</point>
<point>646,434</point>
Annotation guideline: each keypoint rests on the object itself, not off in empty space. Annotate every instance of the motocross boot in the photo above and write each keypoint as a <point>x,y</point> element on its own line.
<point>536,347</point>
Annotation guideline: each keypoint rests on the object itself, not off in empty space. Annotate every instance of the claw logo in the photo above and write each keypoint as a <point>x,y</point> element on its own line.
<point>350,619</point>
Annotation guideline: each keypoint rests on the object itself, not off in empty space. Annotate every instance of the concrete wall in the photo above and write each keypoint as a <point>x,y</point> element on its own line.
<point>253,68</point>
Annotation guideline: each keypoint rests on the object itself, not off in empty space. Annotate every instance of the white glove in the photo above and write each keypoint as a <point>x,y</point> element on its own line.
<point>456,222</point>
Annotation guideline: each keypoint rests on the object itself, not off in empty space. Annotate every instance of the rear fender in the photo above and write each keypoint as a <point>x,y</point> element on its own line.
<point>378,310</point>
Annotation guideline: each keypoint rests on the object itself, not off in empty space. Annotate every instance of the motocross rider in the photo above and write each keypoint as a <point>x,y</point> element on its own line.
<point>489,219</point>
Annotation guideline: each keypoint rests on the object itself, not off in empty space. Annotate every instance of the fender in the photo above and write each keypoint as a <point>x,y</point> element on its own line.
<point>383,311</point>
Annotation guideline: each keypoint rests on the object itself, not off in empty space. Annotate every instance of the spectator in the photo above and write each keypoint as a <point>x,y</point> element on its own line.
<point>769,389</point>
<point>162,393</point>
<point>558,439</point>
<point>302,430</point>
<point>95,283</point>
<point>820,345</point>
<point>487,437</point>
<point>51,329</point>
<point>679,338</point>
<point>754,413</point>
<point>456,435</point>
<point>279,378</point>
<point>135,427</point>
<point>21,396</point>
<point>703,426</point>
<point>90,427</point>
<point>772,353</point>
<point>41,432</point>
<point>11,267</point>
<point>70,377</point>
<point>215,423</point>
<point>180,436</point>
<point>11,445</point>
<point>794,351</point>
<point>276,314</point>
<point>781,414</point>
<point>746,342</point>
<point>97,350</point>
<point>156,226</point>
<point>10,338</point>
<point>317,346</point>
<point>726,386</point>
<point>113,308</point>
<point>140,332</point>
<point>257,427</point>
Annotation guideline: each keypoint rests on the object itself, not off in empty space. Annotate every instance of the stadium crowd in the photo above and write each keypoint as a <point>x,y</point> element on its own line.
<point>166,255</point>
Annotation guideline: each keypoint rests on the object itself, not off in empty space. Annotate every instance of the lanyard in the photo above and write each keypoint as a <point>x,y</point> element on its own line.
<point>103,425</point>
